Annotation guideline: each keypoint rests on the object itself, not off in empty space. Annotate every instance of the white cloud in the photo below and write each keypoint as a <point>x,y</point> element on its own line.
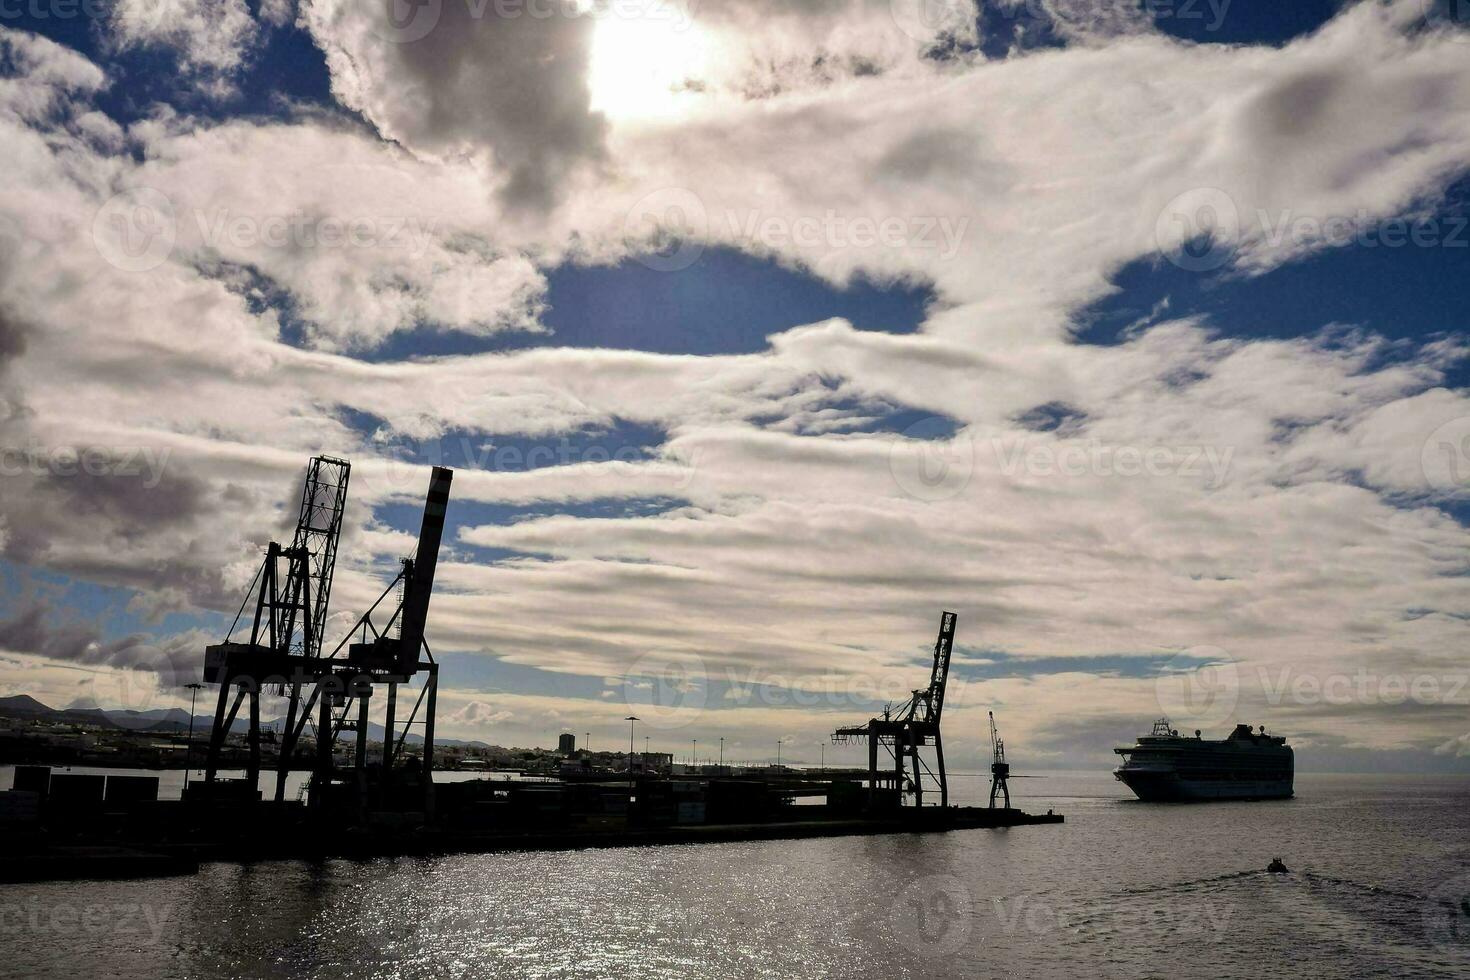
<point>212,38</point>
<point>1261,496</point>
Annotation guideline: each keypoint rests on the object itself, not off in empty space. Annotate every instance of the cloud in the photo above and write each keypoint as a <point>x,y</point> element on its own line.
<point>1459,746</point>
<point>1269,497</point>
<point>213,39</point>
<point>472,84</point>
<point>34,630</point>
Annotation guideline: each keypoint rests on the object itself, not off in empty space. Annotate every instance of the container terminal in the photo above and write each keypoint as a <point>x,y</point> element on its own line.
<point>386,802</point>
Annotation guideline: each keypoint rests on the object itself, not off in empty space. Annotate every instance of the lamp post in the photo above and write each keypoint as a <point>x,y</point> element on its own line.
<point>631,720</point>
<point>587,743</point>
<point>189,751</point>
<point>778,753</point>
<point>722,751</point>
<point>694,755</point>
<point>824,755</point>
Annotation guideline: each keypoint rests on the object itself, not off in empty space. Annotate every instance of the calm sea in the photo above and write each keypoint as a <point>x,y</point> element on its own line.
<point>1380,885</point>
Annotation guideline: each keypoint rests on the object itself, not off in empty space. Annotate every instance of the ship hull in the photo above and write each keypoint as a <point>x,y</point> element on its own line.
<point>1170,787</point>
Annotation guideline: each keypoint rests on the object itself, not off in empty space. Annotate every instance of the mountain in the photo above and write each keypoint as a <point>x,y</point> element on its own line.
<point>168,721</point>
<point>23,706</point>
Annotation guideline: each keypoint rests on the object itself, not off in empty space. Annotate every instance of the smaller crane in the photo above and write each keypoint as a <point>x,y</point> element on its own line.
<point>1000,770</point>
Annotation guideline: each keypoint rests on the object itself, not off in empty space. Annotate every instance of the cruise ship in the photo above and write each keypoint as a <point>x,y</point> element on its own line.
<point>1247,765</point>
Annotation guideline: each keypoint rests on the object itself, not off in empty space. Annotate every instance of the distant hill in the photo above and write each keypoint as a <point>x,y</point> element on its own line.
<point>161,721</point>
<point>23,706</point>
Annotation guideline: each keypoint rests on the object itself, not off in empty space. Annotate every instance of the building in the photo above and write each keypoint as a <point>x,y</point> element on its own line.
<point>567,744</point>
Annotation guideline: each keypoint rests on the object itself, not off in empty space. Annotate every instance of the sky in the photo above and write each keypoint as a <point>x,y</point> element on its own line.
<point>758,335</point>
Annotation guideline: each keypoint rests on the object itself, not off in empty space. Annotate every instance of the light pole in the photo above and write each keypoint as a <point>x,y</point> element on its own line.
<point>778,753</point>
<point>587,743</point>
<point>631,720</point>
<point>645,753</point>
<point>189,751</point>
<point>722,751</point>
<point>694,755</point>
<point>824,755</point>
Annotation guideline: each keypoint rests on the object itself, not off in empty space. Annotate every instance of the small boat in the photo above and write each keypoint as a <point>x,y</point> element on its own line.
<point>1276,867</point>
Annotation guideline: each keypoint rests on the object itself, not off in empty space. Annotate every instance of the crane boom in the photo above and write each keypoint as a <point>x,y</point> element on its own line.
<point>939,676</point>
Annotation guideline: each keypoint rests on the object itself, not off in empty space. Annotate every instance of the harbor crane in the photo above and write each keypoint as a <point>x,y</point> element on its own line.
<point>1000,770</point>
<point>284,651</point>
<point>903,732</point>
<point>290,613</point>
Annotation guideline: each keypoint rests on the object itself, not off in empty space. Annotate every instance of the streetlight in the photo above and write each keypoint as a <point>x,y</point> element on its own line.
<point>189,751</point>
<point>778,753</point>
<point>824,755</point>
<point>587,743</point>
<point>631,720</point>
<point>722,751</point>
<point>694,755</point>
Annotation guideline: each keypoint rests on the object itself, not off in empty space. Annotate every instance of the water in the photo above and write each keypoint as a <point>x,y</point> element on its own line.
<point>1123,889</point>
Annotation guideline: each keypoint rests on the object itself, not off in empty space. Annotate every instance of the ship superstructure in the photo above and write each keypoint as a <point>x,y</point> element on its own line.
<point>1245,765</point>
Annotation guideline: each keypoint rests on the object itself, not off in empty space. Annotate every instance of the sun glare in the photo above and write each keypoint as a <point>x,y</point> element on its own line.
<point>640,65</point>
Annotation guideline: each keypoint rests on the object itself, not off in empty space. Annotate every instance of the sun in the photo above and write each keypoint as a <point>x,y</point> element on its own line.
<point>641,66</point>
